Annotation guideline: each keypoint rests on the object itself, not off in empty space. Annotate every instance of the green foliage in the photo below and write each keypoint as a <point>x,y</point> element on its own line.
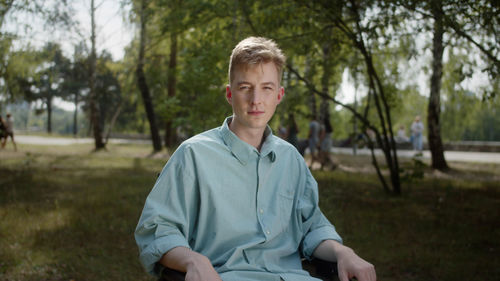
<point>108,88</point>
<point>485,123</point>
<point>465,115</point>
<point>414,171</point>
<point>202,81</point>
<point>49,74</point>
<point>207,31</point>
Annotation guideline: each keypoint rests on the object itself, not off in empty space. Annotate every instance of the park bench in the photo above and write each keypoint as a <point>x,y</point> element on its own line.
<point>326,271</point>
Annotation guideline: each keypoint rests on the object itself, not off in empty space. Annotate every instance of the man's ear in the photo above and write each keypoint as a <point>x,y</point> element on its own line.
<point>281,94</point>
<point>229,94</point>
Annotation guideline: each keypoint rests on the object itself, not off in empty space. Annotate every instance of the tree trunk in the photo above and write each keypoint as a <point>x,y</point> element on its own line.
<point>143,85</point>
<point>75,116</point>
<point>113,121</point>
<point>94,112</point>
<point>324,109</point>
<point>172,80</point>
<point>433,110</point>
<point>49,115</point>
<point>308,74</point>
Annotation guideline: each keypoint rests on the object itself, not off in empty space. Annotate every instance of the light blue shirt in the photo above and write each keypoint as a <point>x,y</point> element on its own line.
<point>253,214</point>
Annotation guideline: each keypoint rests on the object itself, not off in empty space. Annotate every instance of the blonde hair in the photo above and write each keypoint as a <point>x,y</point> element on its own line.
<point>254,51</point>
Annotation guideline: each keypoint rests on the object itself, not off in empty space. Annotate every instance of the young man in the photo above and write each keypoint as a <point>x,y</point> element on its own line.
<point>236,203</point>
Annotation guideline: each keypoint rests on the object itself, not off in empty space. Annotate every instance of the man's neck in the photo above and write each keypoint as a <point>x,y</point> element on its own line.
<point>253,137</point>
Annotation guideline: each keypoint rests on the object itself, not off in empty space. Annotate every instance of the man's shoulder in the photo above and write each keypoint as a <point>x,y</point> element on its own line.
<point>283,147</point>
<point>279,142</point>
<point>207,137</point>
<point>198,144</point>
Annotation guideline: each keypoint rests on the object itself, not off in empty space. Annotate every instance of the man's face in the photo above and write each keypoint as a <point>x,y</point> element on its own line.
<point>254,94</point>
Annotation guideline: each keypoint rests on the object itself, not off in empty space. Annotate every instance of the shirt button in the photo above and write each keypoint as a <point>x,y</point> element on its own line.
<point>268,232</point>
<point>261,211</point>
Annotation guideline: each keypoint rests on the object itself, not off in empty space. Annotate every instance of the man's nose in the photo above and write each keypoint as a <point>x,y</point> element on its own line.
<point>256,96</point>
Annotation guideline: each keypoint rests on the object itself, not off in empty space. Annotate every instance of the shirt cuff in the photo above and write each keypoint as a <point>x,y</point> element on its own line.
<point>315,237</point>
<point>153,253</point>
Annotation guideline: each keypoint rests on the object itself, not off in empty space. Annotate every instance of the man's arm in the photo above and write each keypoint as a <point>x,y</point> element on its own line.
<point>171,206</point>
<point>349,264</point>
<point>196,265</point>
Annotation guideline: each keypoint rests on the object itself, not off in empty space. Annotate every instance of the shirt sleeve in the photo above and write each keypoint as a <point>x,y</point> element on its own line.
<point>315,226</point>
<point>169,213</point>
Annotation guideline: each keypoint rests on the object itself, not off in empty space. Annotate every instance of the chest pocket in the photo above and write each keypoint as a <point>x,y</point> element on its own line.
<point>286,201</point>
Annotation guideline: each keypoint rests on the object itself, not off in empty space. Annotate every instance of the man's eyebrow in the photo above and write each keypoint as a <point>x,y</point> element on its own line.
<point>268,84</point>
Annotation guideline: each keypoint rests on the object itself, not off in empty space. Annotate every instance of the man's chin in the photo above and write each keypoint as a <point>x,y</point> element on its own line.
<point>260,124</point>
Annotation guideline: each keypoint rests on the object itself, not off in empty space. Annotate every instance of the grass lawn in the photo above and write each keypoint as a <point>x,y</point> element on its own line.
<point>69,214</point>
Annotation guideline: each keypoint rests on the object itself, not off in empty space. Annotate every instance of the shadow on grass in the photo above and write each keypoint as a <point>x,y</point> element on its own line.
<point>437,230</point>
<point>72,224</point>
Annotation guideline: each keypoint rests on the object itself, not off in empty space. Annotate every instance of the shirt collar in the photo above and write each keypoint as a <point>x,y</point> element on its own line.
<point>242,150</point>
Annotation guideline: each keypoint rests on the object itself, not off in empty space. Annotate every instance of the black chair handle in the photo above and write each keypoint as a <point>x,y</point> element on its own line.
<point>168,274</point>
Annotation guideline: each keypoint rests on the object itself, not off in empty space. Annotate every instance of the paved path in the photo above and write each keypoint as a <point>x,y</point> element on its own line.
<point>39,140</point>
<point>468,156</point>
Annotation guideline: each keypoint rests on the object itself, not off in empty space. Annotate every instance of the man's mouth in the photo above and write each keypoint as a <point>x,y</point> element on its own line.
<point>255,112</point>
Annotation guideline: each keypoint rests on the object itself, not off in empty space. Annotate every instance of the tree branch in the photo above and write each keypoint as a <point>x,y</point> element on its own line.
<point>453,25</point>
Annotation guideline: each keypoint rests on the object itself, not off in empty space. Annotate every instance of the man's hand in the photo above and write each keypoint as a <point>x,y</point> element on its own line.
<point>197,266</point>
<point>351,265</point>
<point>201,270</point>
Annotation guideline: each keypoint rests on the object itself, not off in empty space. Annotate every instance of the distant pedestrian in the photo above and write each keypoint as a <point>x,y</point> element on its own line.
<point>282,132</point>
<point>9,131</point>
<point>3,131</point>
<point>313,139</point>
<point>401,135</point>
<point>417,129</point>
<point>370,135</point>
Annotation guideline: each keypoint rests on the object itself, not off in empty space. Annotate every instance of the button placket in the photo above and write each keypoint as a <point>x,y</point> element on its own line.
<point>260,210</point>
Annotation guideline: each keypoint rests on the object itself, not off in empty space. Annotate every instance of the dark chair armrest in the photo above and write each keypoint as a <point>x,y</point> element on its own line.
<point>324,270</point>
<point>167,274</point>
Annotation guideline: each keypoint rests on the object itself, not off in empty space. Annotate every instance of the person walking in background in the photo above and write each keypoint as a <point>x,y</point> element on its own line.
<point>9,131</point>
<point>3,131</point>
<point>417,129</point>
<point>282,132</point>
